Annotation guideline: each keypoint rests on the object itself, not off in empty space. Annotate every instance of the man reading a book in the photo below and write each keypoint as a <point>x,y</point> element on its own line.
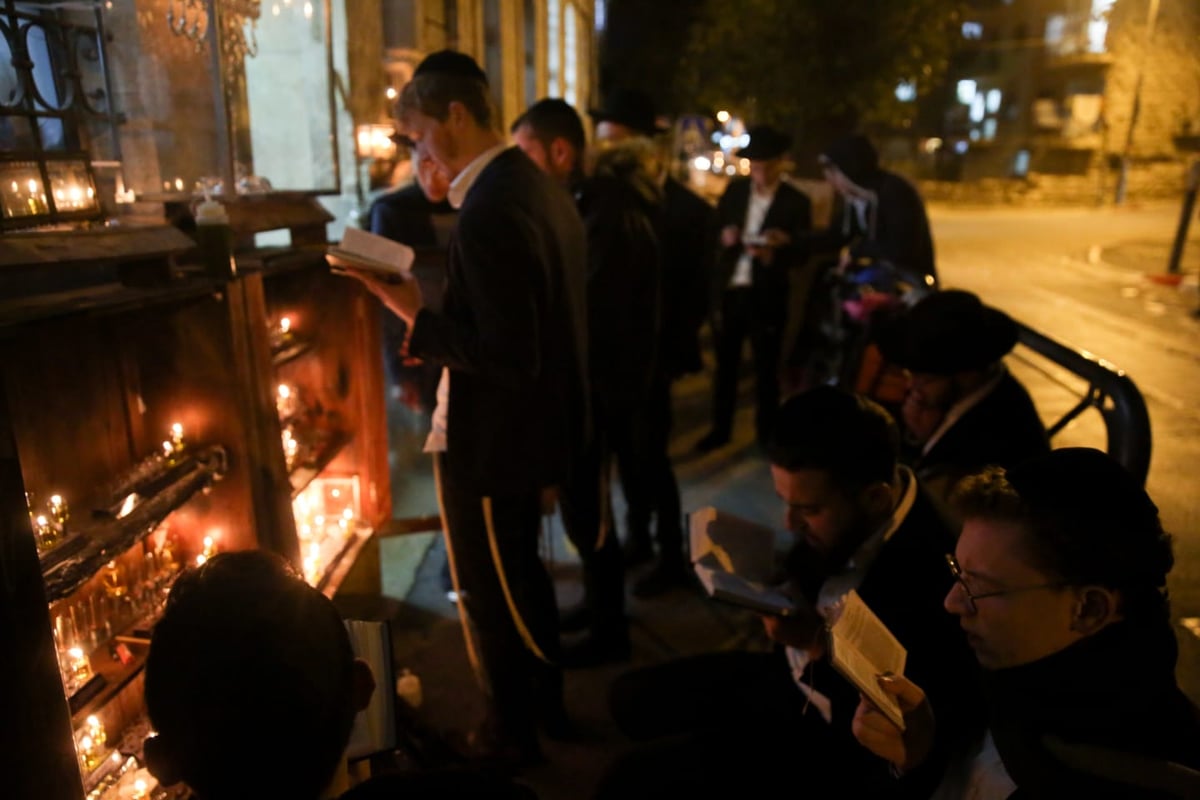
<point>861,523</point>
<point>512,335</point>
<point>1060,584</point>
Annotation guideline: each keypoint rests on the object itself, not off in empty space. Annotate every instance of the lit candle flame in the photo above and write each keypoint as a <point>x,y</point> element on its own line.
<point>285,324</point>
<point>179,184</point>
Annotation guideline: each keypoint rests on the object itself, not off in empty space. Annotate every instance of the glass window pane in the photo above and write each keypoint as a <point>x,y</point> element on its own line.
<point>71,186</point>
<point>21,190</point>
<point>553,50</point>
<point>16,133</point>
<point>570,43</point>
<point>287,91</point>
<point>11,92</point>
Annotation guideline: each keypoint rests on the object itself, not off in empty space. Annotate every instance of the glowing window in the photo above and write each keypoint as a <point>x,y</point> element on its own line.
<point>977,108</point>
<point>972,30</point>
<point>993,101</point>
<point>966,92</point>
<point>906,91</point>
<point>553,50</point>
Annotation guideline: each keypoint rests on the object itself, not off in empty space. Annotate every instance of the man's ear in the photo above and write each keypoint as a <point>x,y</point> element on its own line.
<point>562,155</point>
<point>877,498</point>
<point>362,684</point>
<point>1095,608</point>
<point>456,114</point>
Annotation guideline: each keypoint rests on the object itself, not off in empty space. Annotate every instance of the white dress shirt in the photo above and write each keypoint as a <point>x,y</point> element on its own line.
<point>756,213</point>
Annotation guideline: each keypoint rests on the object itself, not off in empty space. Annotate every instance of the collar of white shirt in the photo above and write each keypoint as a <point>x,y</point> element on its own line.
<point>965,404</point>
<point>464,180</point>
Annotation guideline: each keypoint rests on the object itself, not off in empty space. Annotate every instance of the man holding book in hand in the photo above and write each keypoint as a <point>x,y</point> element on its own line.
<point>512,336</point>
<point>1061,586</point>
<point>861,523</point>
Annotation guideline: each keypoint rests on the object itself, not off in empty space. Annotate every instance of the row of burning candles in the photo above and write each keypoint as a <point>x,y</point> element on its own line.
<point>124,780</point>
<point>50,527</point>
<point>127,595</point>
<point>24,194</point>
<point>326,515</point>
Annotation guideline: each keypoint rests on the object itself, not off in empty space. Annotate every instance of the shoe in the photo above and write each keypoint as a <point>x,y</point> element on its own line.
<point>665,576</point>
<point>576,619</point>
<point>593,651</point>
<point>711,441</point>
<point>637,550</point>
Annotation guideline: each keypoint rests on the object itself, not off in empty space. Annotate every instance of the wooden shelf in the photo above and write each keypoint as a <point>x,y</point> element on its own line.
<point>302,476</point>
<point>108,539</point>
<point>115,674</point>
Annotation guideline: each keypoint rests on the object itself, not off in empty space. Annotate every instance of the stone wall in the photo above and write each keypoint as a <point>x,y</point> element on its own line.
<point>1147,181</point>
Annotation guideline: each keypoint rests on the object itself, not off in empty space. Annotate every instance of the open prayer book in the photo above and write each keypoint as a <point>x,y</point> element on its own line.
<point>861,648</point>
<point>737,561</point>
<point>375,726</point>
<point>372,253</point>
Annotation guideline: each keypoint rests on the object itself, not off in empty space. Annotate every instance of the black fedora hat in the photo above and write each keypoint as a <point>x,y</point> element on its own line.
<point>855,156</point>
<point>947,332</point>
<point>632,108</point>
<point>765,143</point>
<point>451,62</point>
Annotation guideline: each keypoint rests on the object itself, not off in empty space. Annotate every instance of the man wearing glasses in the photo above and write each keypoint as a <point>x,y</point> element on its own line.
<point>1060,585</point>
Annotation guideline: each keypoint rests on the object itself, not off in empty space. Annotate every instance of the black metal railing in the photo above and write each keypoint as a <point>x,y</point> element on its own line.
<point>1110,391</point>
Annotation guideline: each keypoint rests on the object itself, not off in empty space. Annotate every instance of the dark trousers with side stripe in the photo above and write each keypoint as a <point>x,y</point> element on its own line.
<point>510,616</point>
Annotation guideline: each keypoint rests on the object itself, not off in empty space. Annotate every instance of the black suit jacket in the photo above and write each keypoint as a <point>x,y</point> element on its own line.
<point>905,587</point>
<point>790,212</point>
<point>512,331</point>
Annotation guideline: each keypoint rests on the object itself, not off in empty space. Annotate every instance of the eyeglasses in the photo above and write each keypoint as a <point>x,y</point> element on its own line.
<point>403,140</point>
<point>975,597</point>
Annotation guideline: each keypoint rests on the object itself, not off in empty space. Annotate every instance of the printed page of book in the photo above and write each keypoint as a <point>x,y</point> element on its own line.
<point>730,588</point>
<point>738,545</point>
<point>375,727</point>
<point>861,648</point>
<point>373,253</point>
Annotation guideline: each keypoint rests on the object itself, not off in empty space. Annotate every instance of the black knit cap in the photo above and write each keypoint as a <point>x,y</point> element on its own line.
<point>855,156</point>
<point>451,62</point>
<point>1083,486</point>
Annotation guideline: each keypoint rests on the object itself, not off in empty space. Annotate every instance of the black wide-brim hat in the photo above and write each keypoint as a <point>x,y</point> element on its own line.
<point>765,143</point>
<point>632,108</point>
<point>947,332</point>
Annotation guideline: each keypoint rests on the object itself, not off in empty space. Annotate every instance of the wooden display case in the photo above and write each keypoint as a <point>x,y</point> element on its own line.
<point>142,395</point>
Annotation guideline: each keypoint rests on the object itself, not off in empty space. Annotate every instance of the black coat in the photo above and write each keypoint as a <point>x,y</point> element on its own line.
<point>512,331</point>
<point>790,212</point>
<point>897,231</point>
<point>620,208</point>
<point>1003,429</point>
<point>688,235</point>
